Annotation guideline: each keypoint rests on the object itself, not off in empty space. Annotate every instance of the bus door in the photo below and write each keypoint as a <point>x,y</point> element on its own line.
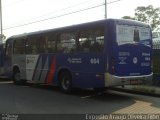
<point>8,58</point>
<point>19,56</point>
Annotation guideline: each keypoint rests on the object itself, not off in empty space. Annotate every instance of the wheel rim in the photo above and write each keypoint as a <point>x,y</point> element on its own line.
<point>65,83</point>
<point>17,77</point>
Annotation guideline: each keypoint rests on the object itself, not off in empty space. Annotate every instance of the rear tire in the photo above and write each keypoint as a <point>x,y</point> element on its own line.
<point>65,82</point>
<point>17,77</point>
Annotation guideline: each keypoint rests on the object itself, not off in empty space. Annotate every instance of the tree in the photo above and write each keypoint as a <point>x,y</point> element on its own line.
<point>128,17</point>
<point>148,15</point>
<point>2,37</point>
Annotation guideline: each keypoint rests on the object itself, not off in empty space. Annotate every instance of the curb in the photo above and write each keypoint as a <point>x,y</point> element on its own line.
<point>135,92</point>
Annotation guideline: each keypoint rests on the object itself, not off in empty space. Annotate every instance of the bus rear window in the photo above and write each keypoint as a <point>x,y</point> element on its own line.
<point>131,34</point>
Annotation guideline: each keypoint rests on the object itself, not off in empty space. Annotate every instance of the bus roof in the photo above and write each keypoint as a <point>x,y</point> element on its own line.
<point>83,25</point>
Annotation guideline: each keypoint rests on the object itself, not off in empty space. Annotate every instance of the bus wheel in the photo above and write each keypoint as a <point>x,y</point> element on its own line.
<point>17,77</point>
<point>65,81</point>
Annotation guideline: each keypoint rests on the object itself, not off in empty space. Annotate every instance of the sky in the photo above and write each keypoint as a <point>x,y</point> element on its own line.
<point>23,16</point>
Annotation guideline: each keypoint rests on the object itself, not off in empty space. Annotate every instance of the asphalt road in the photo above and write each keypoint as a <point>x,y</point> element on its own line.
<point>30,99</point>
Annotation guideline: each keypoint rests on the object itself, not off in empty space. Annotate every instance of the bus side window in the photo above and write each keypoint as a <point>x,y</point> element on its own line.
<point>8,50</point>
<point>41,44</point>
<point>51,43</point>
<point>98,45</point>
<point>85,40</point>
<point>67,43</point>
<point>19,46</point>
<point>91,40</point>
<point>31,46</point>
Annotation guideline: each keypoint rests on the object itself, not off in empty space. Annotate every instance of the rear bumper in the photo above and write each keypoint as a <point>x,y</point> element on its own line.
<point>112,80</point>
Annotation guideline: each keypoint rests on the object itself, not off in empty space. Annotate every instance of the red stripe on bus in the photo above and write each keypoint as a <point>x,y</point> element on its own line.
<point>51,71</point>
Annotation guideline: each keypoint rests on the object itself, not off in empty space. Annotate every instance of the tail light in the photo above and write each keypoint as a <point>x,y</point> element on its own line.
<point>113,66</point>
<point>100,76</point>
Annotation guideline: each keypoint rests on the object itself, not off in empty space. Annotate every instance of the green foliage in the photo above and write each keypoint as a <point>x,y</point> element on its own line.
<point>3,37</point>
<point>143,88</point>
<point>148,15</point>
<point>128,17</point>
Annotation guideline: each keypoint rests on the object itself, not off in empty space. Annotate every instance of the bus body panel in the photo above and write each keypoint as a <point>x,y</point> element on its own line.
<point>82,67</point>
<point>133,60</point>
<point>130,59</point>
<point>44,68</point>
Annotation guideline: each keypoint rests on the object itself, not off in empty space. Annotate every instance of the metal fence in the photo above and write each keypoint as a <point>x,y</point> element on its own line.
<point>156,62</point>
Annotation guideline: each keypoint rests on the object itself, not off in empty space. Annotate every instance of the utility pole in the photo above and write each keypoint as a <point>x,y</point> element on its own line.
<point>1,37</point>
<point>106,9</point>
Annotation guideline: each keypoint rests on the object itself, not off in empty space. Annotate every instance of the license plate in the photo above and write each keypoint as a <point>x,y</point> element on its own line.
<point>134,81</point>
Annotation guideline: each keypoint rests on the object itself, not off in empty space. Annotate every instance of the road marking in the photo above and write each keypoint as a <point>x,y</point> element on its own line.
<point>5,82</point>
<point>90,96</point>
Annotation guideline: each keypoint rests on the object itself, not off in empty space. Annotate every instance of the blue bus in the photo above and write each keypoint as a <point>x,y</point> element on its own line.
<point>99,54</point>
<point>2,59</point>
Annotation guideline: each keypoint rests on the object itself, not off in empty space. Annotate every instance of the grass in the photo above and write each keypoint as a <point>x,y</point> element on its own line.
<point>147,89</point>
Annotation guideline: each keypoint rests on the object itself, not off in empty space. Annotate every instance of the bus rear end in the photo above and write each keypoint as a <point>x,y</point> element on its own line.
<point>131,54</point>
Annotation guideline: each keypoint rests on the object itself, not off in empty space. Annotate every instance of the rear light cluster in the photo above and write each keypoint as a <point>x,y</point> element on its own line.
<point>113,64</point>
<point>100,76</point>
